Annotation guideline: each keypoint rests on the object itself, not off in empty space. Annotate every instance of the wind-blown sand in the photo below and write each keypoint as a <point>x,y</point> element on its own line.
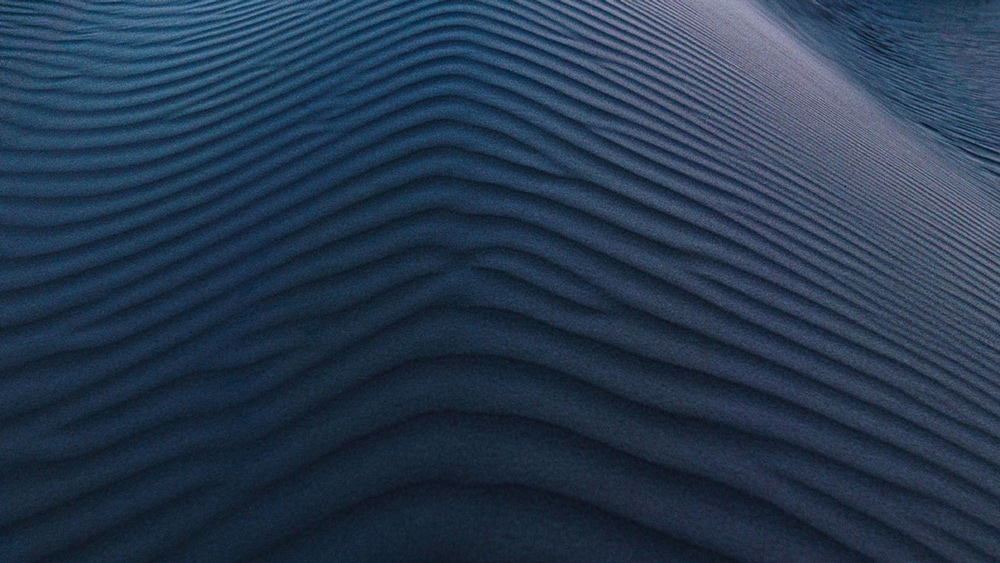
<point>498,280</point>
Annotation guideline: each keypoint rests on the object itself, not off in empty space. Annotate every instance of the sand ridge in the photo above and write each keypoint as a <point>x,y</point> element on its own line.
<point>409,280</point>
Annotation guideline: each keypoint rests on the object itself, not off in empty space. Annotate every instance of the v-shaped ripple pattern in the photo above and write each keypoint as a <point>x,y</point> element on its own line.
<point>491,280</point>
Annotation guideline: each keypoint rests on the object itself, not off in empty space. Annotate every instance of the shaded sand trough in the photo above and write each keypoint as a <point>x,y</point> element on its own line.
<point>527,280</point>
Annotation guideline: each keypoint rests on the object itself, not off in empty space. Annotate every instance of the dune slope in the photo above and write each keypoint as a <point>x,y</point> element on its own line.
<point>937,64</point>
<point>481,280</point>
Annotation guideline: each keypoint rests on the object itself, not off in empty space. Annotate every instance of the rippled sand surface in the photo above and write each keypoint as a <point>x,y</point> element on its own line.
<point>499,280</point>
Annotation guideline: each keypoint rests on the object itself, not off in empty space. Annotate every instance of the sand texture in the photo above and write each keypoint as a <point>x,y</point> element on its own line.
<point>499,280</point>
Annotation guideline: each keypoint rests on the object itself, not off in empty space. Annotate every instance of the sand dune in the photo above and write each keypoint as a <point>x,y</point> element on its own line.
<point>936,64</point>
<point>484,280</point>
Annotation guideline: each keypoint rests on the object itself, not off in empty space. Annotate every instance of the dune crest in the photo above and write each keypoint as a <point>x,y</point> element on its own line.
<point>935,64</point>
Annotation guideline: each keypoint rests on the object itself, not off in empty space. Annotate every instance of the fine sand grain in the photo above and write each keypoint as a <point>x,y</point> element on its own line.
<point>499,280</point>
